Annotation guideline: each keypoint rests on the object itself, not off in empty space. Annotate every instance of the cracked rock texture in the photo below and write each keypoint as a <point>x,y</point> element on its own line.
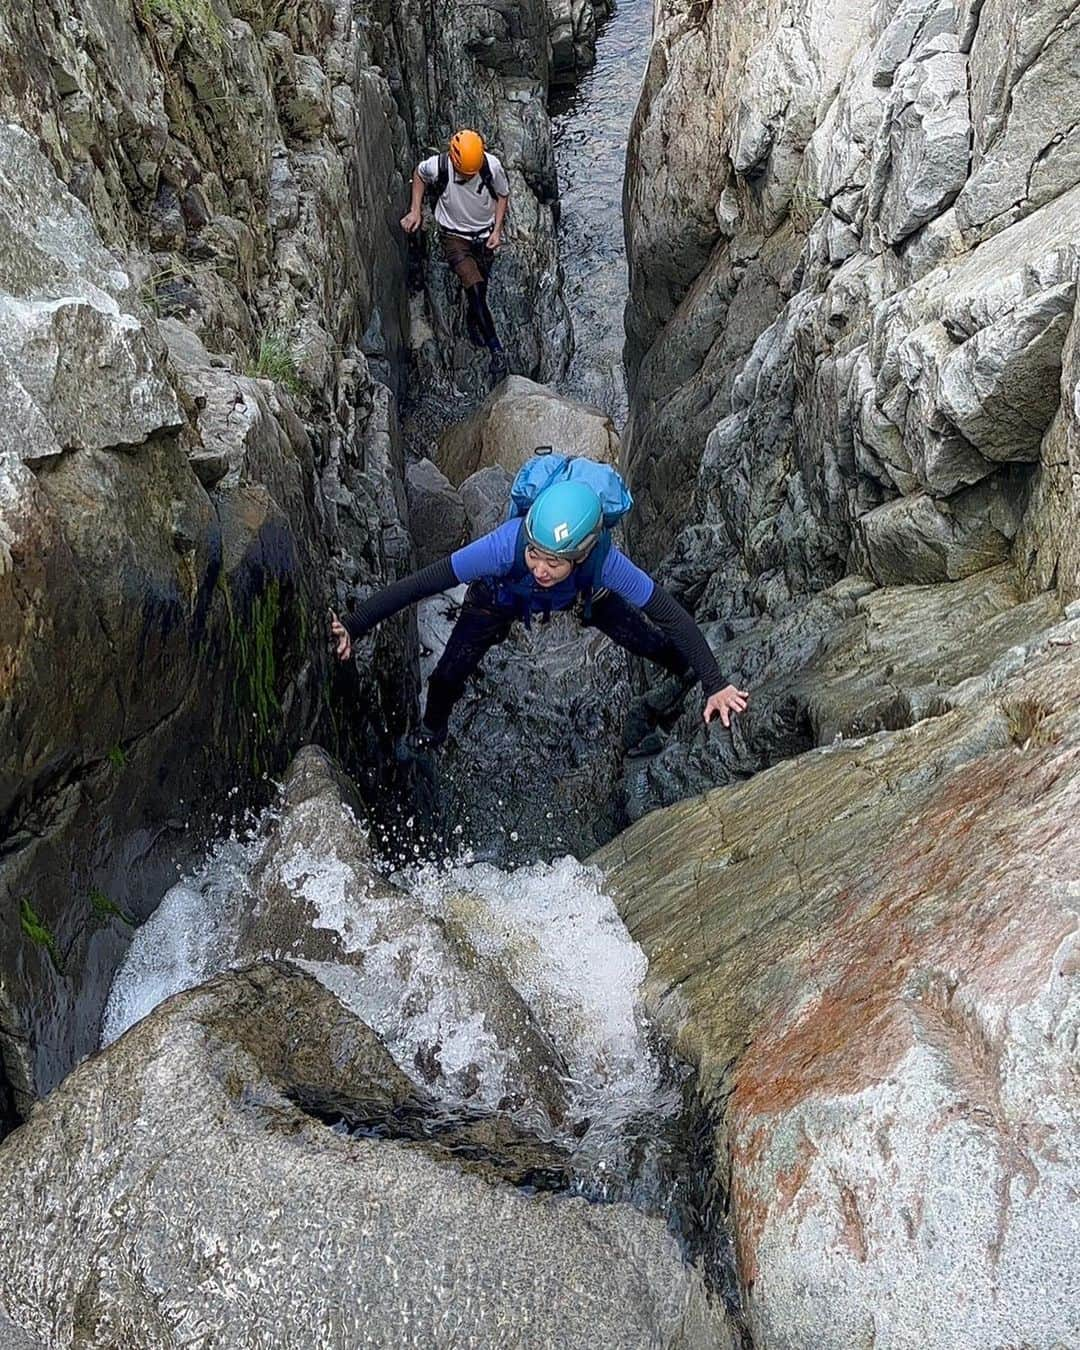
<point>850,367</point>
<point>163,1196</point>
<point>853,246</point>
<point>871,954</point>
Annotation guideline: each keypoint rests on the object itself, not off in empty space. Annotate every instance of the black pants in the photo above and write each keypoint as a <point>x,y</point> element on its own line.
<point>482,625</point>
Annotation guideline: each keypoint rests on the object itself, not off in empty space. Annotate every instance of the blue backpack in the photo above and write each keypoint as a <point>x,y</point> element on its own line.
<point>541,471</point>
<point>546,468</point>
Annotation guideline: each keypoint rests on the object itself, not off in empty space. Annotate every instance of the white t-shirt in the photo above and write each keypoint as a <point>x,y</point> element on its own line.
<point>466,208</point>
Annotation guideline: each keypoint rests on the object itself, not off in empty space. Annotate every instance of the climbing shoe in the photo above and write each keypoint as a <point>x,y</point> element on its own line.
<point>499,367</point>
<point>659,708</point>
<point>423,740</point>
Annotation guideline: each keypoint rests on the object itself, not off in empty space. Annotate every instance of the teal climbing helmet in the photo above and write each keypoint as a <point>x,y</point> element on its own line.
<point>566,519</point>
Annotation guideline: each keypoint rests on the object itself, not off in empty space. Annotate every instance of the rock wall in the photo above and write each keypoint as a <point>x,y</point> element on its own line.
<point>572,34</point>
<point>870,953</point>
<point>853,233</point>
<point>199,254</point>
<point>855,298</point>
<point>207,312</point>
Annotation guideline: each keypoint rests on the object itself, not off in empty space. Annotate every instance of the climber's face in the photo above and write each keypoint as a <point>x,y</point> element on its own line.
<point>546,568</point>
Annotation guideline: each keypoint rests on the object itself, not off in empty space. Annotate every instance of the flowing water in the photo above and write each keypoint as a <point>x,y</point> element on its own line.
<point>591,123</point>
<point>549,932</point>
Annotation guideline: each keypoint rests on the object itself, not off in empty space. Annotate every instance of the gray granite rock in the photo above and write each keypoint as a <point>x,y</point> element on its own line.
<point>437,517</point>
<point>876,977</point>
<point>485,496</point>
<point>187,1182</point>
<point>514,421</point>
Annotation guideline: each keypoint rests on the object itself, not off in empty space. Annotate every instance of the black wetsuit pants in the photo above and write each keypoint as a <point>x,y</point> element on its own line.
<point>482,625</point>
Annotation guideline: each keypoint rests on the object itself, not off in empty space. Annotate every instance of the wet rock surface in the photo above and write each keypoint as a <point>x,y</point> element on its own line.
<point>572,34</point>
<point>168,525</point>
<point>448,1011</point>
<point>547,708</point>
<point>870,953</point>
<point>164,1192</point>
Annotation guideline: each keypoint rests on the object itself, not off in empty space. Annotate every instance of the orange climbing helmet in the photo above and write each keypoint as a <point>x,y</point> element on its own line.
<point>467,152</point>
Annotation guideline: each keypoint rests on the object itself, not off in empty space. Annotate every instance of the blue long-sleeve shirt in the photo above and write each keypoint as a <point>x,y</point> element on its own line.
<point>493,555</point>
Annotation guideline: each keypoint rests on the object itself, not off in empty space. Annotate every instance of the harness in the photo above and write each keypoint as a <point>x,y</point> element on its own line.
<point>442,181</point>
<point>519,592</point>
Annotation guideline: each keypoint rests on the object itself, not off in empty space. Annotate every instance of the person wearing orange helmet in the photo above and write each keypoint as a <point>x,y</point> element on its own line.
<point>471,194</point>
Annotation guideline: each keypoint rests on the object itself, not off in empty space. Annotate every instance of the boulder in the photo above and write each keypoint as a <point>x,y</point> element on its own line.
<point>514,420</point>
<point>485,495</point>
<point>199,1179</point>
<point>870,953</point>
<point>313,894</point>
<point>437,517</point>
<point>447,1013</point>
<point>573,36</point>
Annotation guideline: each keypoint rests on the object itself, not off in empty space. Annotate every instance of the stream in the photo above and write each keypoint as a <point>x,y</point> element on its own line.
<point>548,926</point>
<point>590,125</point>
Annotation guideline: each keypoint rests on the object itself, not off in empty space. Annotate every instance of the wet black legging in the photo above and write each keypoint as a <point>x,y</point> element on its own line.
<point>483,625</point>
<point>479,312</point>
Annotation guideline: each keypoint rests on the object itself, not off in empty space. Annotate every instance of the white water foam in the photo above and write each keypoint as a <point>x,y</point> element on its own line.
<point>189,937</point>
<point>547,930</point>
<point>560,942</point>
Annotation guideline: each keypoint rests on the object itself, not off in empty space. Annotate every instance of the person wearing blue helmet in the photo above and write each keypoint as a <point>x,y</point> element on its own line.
<point>557,557</point>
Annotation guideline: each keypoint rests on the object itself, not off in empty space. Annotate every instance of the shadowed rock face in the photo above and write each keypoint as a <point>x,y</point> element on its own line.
<point>871,953</point>
<point>175,1187</point>
<point>850,661</point>
<point>573,35</point>
<point>203,323</point>
<point>165,529</point>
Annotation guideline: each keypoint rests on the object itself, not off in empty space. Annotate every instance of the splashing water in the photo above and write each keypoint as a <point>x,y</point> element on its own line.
<point>189,937</point>
<point>562,945</point>
<point>515,991</point>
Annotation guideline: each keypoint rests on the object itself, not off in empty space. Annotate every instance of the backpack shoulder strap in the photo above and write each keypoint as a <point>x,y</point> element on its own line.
<point>488,178</point>
<point>443,177</point>
<point>520,568</point>
<point>590,571</point>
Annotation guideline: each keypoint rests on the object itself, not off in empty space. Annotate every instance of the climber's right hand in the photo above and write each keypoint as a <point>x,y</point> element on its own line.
<point>411,222</point>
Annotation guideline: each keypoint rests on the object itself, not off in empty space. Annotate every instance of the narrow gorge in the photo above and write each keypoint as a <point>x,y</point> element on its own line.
<point>688,1037</point>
